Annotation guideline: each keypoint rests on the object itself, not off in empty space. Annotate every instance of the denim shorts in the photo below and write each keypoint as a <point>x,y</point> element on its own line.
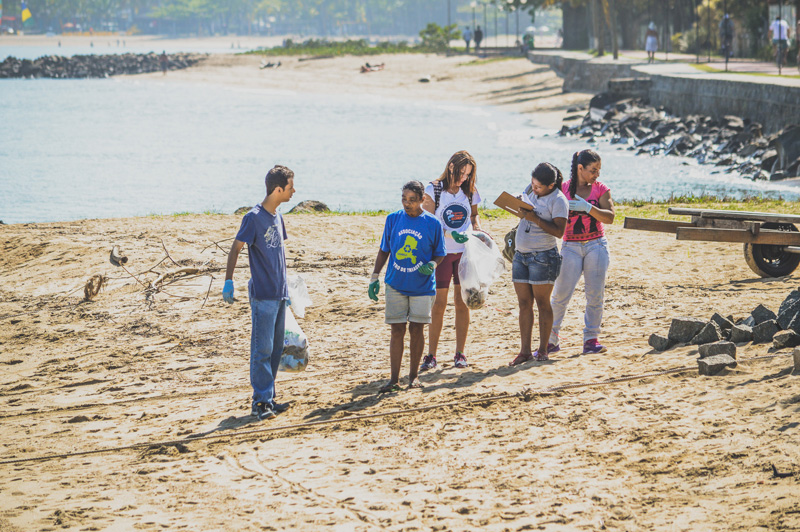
<point>402,308</point>
<point>537,267</point>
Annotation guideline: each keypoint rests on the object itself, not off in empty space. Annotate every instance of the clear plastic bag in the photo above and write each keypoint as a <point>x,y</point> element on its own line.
<point>295,345</point>
<point>481,264</point>
<point>298,295</point>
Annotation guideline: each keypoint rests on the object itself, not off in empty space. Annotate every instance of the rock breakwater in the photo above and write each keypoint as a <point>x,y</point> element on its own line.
<point>733,143</point>
<point>93,66</point>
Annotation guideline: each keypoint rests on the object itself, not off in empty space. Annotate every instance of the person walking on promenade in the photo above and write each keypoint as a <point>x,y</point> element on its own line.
<point>467,34</point>
<point>413,245</point>
<point>651,42</point>
<point>537,262</point>
<point>779,32</point>
<point>585,249</point>
<point>726,30</point>
<point>453,199</point>
<point>264,232</point>
<point>163,60</point>
<point>478,38</point>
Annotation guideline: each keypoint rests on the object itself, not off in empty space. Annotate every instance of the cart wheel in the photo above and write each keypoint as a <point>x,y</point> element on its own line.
<point>769,260</point>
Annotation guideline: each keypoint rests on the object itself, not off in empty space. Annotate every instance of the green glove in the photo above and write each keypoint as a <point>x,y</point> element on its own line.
<point>460,238</point>
<point>427,268</point>
<point>374,287</point>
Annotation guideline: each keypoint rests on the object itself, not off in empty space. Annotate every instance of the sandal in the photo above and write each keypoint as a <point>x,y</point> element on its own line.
<point>541,357</point>
<point>390,388</point>
<point>415,384</point>
<point>520,359</point>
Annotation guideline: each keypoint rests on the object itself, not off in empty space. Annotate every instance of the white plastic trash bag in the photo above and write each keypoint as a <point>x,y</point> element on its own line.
<point>481,264</point>
<point>298,295</point>
<point>295,345</point>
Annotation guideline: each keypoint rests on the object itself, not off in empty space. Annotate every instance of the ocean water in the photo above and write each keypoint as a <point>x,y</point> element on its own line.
<point>75,149</point>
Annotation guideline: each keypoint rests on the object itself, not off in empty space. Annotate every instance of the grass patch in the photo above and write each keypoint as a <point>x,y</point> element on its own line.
<point>486,61</point>
<point>322,47</point>
<point>658,209</point>
<point>712,70</point>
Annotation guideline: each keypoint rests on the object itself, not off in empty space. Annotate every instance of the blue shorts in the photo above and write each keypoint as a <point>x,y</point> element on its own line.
<point>537,267</point>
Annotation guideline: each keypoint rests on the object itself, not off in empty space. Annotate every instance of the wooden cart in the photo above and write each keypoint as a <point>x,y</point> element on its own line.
<point>771,241</point>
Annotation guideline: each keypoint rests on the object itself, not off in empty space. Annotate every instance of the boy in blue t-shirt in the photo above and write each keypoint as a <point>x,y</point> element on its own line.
<point>413,244</point>
<point>263,231</point>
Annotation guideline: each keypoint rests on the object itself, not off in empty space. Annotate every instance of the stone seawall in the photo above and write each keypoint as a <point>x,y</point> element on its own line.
<point>774,106</point>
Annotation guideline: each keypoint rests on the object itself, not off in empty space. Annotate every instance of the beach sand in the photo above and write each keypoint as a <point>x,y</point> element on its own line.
<point>144,374</point>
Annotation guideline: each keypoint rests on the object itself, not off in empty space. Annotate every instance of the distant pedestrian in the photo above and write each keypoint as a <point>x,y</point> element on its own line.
<point>264,232</point>
<point>651,42</point>
<point>560,38</point>
<point>779,32</point>
<point>478,38</point>
<point>164,61</point>
<point>726,29</point>
<point>467,34</point>
<point>413,246</point>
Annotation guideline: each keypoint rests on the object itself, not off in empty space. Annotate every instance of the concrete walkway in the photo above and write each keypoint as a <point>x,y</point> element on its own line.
<point>684,65</point>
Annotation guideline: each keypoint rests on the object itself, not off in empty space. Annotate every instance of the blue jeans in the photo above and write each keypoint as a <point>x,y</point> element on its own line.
<point>266,345</point>
<point>591,260</point>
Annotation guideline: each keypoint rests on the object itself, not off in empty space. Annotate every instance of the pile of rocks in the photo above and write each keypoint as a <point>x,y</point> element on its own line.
<point>720,334</point>
<point>735,143</point>
<point>92,66</point>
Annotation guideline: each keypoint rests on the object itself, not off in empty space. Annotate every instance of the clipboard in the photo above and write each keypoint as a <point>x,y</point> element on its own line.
<point>515,206</point>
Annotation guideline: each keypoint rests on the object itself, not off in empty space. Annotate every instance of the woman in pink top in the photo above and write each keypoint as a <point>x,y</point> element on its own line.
<point>585,249</point>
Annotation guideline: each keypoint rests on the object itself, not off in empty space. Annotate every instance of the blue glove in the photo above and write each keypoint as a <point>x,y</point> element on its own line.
<point>428,267</point>
<point>374,287</point>
<point>460,238</point>
<point>580,205</point>
<point>227,291</point>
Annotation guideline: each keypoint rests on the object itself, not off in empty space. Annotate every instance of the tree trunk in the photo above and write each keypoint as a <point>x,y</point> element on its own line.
<point>598,27</point>
<point>612,6</point>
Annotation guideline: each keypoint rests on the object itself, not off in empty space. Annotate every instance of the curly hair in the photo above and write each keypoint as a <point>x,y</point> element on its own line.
<point>415,187</point>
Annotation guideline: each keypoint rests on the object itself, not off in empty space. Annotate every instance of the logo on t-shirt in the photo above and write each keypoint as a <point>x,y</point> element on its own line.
<point>454,215</point>
<point>408,249</point>
<point>272,238</point>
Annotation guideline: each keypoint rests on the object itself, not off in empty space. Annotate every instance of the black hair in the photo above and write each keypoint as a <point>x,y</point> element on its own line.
<point>547,174</point>
<point>278,176</point>
<point>415,187</point>
<point>583,158</point>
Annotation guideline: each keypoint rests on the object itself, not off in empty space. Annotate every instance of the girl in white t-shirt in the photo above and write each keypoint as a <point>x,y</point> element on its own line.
<point>537,262</point>
<point>454,200</point>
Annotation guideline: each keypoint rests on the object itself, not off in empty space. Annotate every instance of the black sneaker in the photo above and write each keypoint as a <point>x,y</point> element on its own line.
<point>280,408</point>
<point>262,411</point>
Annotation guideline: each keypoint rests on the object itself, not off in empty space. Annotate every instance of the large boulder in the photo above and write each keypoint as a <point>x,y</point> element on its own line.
<point>783,339</point>
<point>310,206</point>
<point>789,312</point>
<point>761,314</point>
<point>741,333</point>
<point>715,365</point>
<point>718,348</point>
<point>659,343</point>
<point>708,334</point>
<point>682,330</point>
<point>763,332</point>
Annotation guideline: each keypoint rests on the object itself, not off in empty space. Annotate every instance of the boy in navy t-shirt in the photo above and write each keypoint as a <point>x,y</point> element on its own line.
<point>263,231</point>
<point>413,245</point>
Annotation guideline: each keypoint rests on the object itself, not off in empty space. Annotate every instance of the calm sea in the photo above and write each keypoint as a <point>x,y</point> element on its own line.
<point>74,149</point>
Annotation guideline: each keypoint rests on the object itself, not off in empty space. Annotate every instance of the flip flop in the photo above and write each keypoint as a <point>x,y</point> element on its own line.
<point>415,384</point>
<point>390,388</point>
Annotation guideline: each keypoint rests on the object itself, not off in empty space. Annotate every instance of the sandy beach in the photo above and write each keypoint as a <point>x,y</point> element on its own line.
<point>158,380</point>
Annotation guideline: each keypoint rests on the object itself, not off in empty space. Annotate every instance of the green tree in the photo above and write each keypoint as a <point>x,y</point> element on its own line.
<point>438,38</point>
